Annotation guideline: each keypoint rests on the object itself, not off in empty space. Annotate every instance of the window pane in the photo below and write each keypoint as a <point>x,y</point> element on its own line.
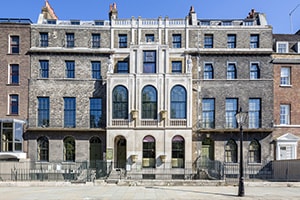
<point>70,69</point>
<point>120,103</point>
<point>7,137</point>
<point>254,71</point>
<point>96,69</point>
<point>122,67</point>
<point>285,76</point>
<point>254,113</point>
<point>69,112</point>
<point>178,149</point>
<point>14,74</point>
<point>176,43</point>
<point>149,151</point>
<point>231,152</point>
<point>231,110</point>
<point>176,67</point>
<point>149,64</point>
<point>285,114</point>
<point>149,38</point>
<point>44,68</point>
<point>178,103</point>
<point>149,103</point>
<point>15,44</point>
<point>254,152</point>
<point>208,41</point>
<point>95,112</point>
<point>208,71</point>
<point>96,40</point>
<point>43,111</point>
<point>254,41</point>
<point>70,40</point>
<point>208,113</point>
<point>231,41</point>
<point>43,149</point>
<point>44,39</point>
<point>14,104</point>
<point>122,41</point>
<point>231,71</point>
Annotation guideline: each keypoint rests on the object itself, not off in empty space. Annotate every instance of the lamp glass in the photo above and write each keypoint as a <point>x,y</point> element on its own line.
<point>241,117</point>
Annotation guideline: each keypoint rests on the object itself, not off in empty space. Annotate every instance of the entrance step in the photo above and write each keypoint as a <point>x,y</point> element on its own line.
<point>115,176</point>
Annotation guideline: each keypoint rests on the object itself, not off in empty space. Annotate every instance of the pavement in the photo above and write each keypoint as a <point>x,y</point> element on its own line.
<point>92,191</point>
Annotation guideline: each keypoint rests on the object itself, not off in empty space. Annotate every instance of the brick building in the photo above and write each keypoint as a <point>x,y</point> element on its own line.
<point>233,72</point>
<point>67,94</point>
<point>286,63</point>
<point>14,75</point>
<point>150,93</point>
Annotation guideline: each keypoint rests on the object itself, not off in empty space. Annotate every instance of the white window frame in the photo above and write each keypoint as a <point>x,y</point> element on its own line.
<point>282,49</point>
<point>287,115</point>
<point>285,76</point>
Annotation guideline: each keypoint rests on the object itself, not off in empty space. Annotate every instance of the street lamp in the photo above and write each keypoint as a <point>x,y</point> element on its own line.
<point>241,118</point>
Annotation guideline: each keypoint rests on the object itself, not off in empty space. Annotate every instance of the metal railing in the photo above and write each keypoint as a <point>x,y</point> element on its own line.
<point>203,168</point>
<point>54,171</point>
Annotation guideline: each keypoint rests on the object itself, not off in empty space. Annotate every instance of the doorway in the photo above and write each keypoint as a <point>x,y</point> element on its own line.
<point>207,150</point>
<point>96,154</point>
<point>121,146</point>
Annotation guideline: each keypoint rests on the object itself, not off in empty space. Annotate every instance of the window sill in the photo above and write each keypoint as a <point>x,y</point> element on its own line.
<point>12,84</point>
<point>13,53</point>
<point>254,163</point>
<point>12,115</point>
<point>286,86</point>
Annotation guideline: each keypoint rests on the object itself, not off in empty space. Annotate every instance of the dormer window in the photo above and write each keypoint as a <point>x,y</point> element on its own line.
<point>75,22</point>
<point>297,47</point>
<point>51,21</point>
<point>282,47</point>
<point>227,23</point>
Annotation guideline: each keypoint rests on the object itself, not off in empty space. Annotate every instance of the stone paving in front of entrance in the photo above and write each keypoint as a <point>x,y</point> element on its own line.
<point>115,192</point>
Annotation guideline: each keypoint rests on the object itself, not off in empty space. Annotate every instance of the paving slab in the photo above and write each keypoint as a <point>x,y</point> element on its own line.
<point>258,191</point>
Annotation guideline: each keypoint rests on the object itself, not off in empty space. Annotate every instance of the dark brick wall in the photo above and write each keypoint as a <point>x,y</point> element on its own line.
<point>23,60</point>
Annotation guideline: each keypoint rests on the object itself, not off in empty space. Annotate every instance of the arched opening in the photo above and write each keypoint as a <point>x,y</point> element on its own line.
<point>43,149</point>
<point>178,149</point>
<point>120,154</point>
<point>149,152</point>
<point>96,153</point>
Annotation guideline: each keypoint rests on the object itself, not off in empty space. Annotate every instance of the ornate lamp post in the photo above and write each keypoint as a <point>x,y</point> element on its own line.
<point>241,118</point>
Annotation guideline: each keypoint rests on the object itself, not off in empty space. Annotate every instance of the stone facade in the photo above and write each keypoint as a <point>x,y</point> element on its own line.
<point>124,139</point>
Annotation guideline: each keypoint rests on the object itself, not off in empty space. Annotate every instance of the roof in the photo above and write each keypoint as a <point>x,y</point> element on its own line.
<point>287,37</point>
<point>15,21</point>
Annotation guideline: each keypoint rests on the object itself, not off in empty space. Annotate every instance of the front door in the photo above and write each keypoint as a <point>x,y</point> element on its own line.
<point>121,152</point>
<point>95,151</point>
<point>207,150</point>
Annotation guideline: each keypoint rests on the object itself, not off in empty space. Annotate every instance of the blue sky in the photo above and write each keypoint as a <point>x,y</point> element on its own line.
<point>277,11</point>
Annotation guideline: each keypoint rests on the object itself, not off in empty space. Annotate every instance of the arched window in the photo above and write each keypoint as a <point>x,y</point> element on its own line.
<point>149,103</point>
<point>69,149</point>
<point>254,152</point>
<point>231,71</point>
<point>208,71</point>
<point>178,150</point>
<point>178,102</point>
<point>120,103</point>
<point>149,151</point>
<point>43,149</point>
<point>231,151</point>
